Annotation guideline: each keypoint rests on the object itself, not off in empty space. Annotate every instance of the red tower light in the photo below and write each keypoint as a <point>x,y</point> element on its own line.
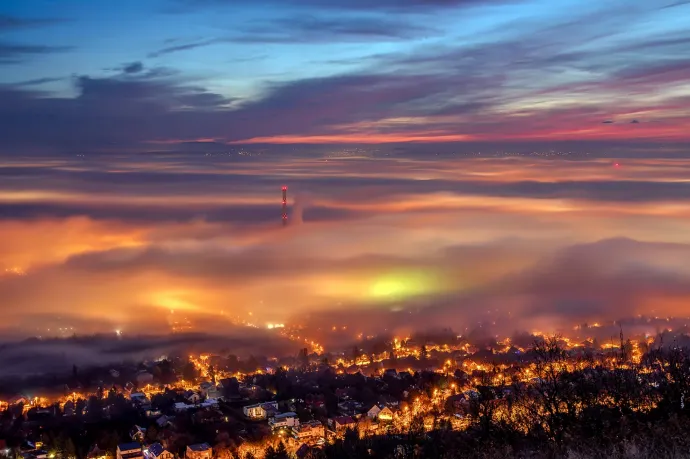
<point>285,215</point>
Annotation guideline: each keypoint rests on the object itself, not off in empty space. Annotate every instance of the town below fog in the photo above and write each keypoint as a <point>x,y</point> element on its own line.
<point>389,394</point>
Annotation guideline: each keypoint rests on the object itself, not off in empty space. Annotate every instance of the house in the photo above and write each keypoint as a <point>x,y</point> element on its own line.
<point>210,403</point>
<point>129,451</point>
<point>205,386</point>
<point>388,400</point>
<point>386,414</point>
<point>391,373</point>
<point>283,420</point>
<point>138,397</point>
<point>199,451</point>
<point>152,413</point>
<point>302,451</point>
<point>311,430</point>
<point>349,407</point>
<point>156,451</point>
<point>180,407</point>
<point>260,410</point>
<point>341,423</point>
<point>373,412</point>
<point>138,434</point>
<point>163,421</point>
<point>192,397</point>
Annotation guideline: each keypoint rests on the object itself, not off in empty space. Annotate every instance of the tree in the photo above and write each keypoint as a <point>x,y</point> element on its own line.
<point>281,451</point>
<point>189,372</point>
<point>152,433</point>
<point>270,453</point>
<point>304,357</point>
<point>70,451</point>
<point>424,354</point>
<point>416,427</point>
<point>355,352</point>
<point>233,362</point>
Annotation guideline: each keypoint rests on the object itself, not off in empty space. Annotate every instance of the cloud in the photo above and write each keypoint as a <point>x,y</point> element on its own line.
<point>533,83</point>
<point>353,5</point>
<point>134,67</point>
<point>57,356</point>
<point>39,81</point>
<point>314,29</point>
<point>8,22</point>
<point>15,53</point>
<point>184,47</point>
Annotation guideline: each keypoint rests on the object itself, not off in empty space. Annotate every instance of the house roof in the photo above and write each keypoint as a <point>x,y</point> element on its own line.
<point>199,447</point>
<point>302,450</point>
<point>343,420</point>
<point>129,446</point>
<point>156,449</point>
<point>289,414</point>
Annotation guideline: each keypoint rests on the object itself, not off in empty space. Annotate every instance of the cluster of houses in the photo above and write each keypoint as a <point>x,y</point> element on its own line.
<point>215,402</point>
<point>135,450</point>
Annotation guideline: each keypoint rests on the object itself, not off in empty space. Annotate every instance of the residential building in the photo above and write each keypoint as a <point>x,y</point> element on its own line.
<point>199,451</point>
<point>129,451</point>
<point>157,451</point>
<point>341,423</point>
<point>138,434</point>
<point>280,421</point>
<point>386,414</point>
<point>373,412</point>
<point>192,397</point>
<point>260,410</point>
<point>311,430</point>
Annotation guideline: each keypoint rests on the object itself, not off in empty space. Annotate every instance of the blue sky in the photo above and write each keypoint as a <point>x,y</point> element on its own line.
<point>456,70</point>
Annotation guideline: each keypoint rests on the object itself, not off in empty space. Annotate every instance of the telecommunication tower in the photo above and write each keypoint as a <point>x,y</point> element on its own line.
<point>285,215</point>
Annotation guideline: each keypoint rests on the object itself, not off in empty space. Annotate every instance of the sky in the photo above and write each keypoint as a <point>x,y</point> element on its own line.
<point>448,163</point>
<point>136,76</point>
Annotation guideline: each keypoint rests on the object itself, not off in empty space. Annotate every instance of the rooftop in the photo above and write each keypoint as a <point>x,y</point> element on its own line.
<point>199,447</point>
<point>129,446</point>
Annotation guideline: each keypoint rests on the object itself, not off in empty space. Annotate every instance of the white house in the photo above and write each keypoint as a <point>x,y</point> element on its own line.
<point>199,451</point>
<point>283,420</point>
<point>259,411</point>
